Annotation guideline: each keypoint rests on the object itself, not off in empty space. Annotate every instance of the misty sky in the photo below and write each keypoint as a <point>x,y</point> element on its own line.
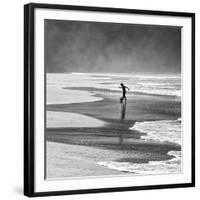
<point>73,46</point>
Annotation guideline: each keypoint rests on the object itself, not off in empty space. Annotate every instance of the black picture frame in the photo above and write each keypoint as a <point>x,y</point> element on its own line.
<point>29,95</point>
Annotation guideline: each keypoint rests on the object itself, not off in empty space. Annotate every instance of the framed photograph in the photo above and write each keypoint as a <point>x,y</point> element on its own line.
<point>108,99</point>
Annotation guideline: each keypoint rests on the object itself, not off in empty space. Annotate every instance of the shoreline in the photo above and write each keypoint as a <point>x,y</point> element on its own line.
<point>72,161</point>
<point>114,137</point>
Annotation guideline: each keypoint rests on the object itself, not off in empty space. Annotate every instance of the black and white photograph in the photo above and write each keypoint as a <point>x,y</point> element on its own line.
<point>113,99</point>
<point>99,100</point>
<point>109,101</point>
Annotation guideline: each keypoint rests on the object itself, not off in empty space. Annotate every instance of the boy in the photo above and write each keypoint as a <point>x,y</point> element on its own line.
<point>123,92</point>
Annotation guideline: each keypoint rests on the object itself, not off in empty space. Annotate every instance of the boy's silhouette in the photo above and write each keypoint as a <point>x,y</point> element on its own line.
<point>123,92</point>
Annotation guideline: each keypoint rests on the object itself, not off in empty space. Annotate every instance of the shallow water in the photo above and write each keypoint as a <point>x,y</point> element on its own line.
<point>162,131</point>
<point>172,166</point>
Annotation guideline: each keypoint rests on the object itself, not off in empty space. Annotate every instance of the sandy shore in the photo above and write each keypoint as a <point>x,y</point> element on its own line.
<point>75,151</point>
<point>65,160</point>
<point>69,161</point>
<point>66,119</point>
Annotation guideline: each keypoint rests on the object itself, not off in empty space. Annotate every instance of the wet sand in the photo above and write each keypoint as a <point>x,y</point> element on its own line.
<point>84,147</point>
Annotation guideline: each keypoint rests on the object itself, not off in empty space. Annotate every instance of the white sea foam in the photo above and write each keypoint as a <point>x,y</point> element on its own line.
<point>162,130</point>
<point>172,166</point>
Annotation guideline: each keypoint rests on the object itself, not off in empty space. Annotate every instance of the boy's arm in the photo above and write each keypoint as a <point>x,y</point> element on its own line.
<point>127,88</point>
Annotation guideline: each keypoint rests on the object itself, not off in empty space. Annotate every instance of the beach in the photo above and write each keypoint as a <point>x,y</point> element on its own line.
<point>86,136</point>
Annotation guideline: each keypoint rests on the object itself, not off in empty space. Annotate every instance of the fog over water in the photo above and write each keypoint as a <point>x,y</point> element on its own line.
<point>74,46</point>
